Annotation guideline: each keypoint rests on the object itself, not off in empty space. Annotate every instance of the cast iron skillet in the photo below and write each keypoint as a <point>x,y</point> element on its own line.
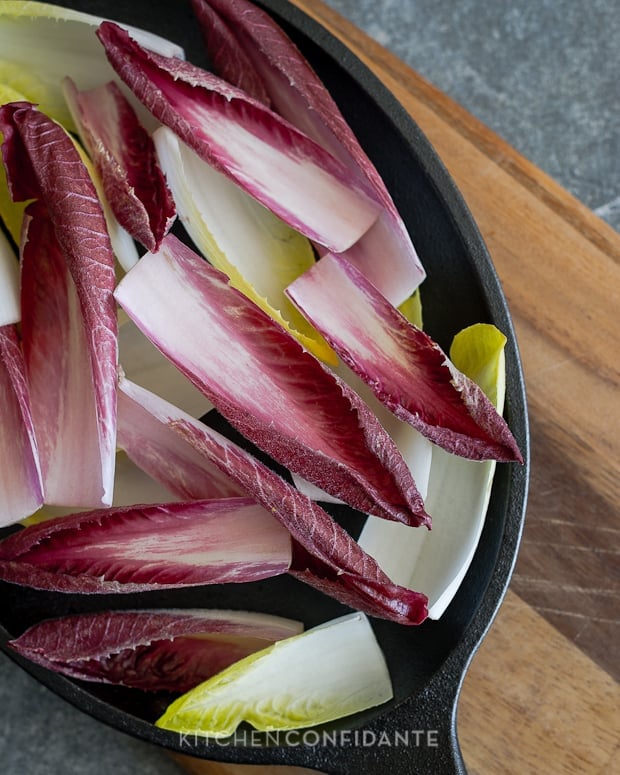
<point>427,663</point>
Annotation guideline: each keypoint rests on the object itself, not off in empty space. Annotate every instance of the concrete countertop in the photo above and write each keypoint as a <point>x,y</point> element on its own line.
<point>541,73</point>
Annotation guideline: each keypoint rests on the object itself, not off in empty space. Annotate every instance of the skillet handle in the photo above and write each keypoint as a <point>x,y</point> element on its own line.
<point>418,738</point>
<point>433,745</point>
<point>436,712</point>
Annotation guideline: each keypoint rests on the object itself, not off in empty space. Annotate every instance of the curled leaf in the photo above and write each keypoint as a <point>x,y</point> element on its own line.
<point>458,494</point>
<point>406,370</point>
<point>170,650</point>
<point>125,159</point>
<point>269,158</point>
<point>148,547</point>
<point>68,310</point>
<point>21,488</point>
<point>330,671</point>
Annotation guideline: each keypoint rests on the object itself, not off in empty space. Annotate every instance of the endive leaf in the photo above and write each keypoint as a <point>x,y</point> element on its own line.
<point>268,157</point>
<point>256,250</point>
<point>406,369</point>
<point>68,310</point>
<point>21,490</point>
<point>123,245</point>
<point>51,42</point>
<point>59,374</point>
<point>386,258</point>
<point>326,673</point>
<point>9,283</point>
<point>259,377</point>
<point>11,213</point>
<point>144,364</point>
<point>478,351</point>
<point>459,490</point>
<point>124,157</point>
<point>148,547</point>
<point>293,87</point>
<point>324,554</point>
<point>227,55</point>
<point>458,494</point>
<point>263,51</point>
<point>146,436</point>
<point>170,650</point>
<point>415,449</point>
<point>411,308</point>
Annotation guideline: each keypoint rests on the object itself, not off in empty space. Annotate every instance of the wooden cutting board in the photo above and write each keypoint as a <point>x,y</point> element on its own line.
<point>541,695</point>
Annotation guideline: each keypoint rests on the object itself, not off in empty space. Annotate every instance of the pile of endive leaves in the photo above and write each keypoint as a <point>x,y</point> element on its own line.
<point>288,300</point>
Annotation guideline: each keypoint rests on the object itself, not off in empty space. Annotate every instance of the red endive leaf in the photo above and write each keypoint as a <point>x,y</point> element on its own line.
<point>65,245</point>
<point>124,156</point>
<point>293,87</point>
<point>405,368</point>
<point>387,259</point>
<point>261,379</point>
<point>267,156</point>
<point>58,369</point>
<point>156,650</point>
<point>147,547</point>
<point>246,43</point>
<point>146,437</point>
<point>325,556</point>
<point>228,57</point>
<point>21,490</point>
<point>9,282</point>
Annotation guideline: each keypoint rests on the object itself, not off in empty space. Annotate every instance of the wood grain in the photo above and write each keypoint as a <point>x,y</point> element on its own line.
<point>533,703</point>
<point>540,695</point>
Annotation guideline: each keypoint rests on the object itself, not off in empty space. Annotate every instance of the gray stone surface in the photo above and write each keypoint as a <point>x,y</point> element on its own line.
<point>541,73</point>
<point>41,734</point>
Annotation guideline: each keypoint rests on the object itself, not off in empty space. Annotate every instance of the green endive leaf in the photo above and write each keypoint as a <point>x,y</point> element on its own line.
<point>411,308</point>
<point>478,351</point>
<point>328,672</point>
<point>41,43</point>
<point>12,213</point>
<point>27,84</point>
